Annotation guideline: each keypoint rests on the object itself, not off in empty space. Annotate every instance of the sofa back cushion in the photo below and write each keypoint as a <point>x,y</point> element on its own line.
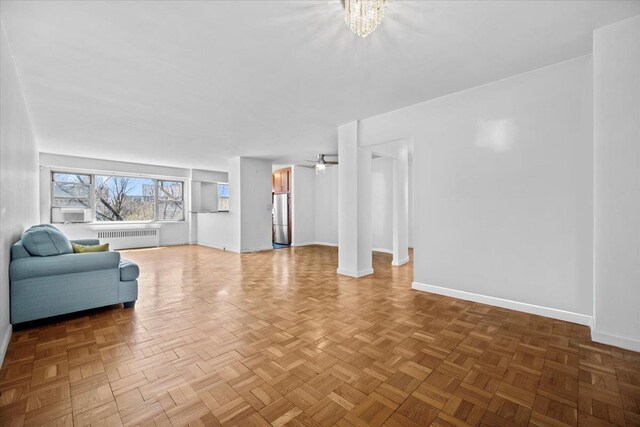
<point>18,251</point>
<point>45,240</point>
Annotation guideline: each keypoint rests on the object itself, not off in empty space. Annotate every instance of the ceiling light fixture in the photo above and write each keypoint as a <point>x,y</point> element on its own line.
<point>320,164</point>
<point>363,16</point>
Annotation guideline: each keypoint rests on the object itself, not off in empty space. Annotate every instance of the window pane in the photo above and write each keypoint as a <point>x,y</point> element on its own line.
<point>169,190</point>
<point>70,177</point>
<point>223,197</point>
<point>70,203</point>
<point>120,198</point>
<point>71,190</point>
<point>223,190</point>
<point>223,204</point>
<point>170,210</point>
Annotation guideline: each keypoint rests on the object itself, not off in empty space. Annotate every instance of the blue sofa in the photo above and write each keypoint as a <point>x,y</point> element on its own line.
<point>48,279</point>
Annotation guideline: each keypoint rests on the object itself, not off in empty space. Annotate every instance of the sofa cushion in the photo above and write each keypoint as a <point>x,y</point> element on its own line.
<point>128,270</point>
<point>45,240</point>
<point>103,263</point>
<point>18,251</point>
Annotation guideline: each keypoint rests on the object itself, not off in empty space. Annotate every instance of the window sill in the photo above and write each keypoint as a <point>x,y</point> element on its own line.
<point>122,224</point>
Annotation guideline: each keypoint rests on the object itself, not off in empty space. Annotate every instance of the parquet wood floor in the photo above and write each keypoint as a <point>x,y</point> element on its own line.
<point>277,338</point>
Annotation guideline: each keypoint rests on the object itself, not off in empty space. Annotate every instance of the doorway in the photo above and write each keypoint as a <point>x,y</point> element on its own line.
<point>281,215</point>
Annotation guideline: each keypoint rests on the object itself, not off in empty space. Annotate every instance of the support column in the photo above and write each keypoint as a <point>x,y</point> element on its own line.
<point>401,207</point>
<point>354,204</point>
<point>616,61</point>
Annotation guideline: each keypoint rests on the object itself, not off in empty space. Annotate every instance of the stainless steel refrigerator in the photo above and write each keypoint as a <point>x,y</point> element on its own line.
<point>281,219</point>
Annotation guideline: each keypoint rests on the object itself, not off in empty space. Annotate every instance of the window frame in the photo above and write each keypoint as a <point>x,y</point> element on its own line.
<point>138,221</point>
<point>218,184</point>
<point>157,199</point>
<point>52,189</point>
<point>92,194</point>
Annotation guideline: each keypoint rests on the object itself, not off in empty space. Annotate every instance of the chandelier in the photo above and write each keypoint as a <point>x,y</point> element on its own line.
<point>363,16</point>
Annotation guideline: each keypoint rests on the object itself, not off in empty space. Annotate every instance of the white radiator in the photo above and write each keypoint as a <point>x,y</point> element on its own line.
<point>129,238</point>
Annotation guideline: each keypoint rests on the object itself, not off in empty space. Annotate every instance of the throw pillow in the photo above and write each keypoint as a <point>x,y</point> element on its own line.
<point>83,249</point>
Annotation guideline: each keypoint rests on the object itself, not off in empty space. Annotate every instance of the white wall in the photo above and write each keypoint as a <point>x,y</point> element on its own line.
<point>204,198</point>
<point>382,180</point>
<point>247,225</point>
<point>209,176</point>
<point>204,189</point>
<point>315,205</point>
<point>616,55</point>
<point>18,176</point>
<point>326,203</point>
<point>255,204</point>
<point>303,206</point>
<point>410,184</point>
<point>218,230</point>
<point>208,196</point>
<point>221,230</point>
<point>326,210</point>
<point>503,188</point>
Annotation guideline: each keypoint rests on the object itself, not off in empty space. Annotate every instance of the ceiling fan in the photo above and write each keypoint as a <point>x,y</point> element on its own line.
<point>320,163</point>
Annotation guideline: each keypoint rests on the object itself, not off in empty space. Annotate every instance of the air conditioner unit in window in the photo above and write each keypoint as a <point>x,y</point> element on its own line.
<point>71,215</point>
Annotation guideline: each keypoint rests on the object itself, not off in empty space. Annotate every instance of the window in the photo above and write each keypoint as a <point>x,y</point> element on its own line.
<point>170,201</point>
<point>70,190</point>
<point>119,198</point>
<point>122,198</point>
<point>223,197</point>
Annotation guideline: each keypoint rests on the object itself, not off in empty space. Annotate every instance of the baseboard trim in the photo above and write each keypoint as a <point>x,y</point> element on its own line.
<point>384,251</point>
<point>258,249</point>
<point>554,313</point>
<point>355,274</point>
<point>4,344</point>
<point>161,245</point>
<point>295,245</point>
<point>401,262</point>
<point>236,250</point>
<point>222,248</point>
<point>334,245</point>
<point>622,342</point>
<point>175,244</point>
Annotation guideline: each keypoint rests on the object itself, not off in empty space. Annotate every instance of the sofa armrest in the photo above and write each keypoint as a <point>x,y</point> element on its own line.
<point>86,242</point>
<point>18,251</point>
<point>25,268</point>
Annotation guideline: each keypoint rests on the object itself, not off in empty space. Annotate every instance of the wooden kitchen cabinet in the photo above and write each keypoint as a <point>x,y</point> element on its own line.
<point>282,181</point>
<point>277,184</point>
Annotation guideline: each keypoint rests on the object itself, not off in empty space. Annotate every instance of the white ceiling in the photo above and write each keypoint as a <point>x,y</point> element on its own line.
<point>193,83</point>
